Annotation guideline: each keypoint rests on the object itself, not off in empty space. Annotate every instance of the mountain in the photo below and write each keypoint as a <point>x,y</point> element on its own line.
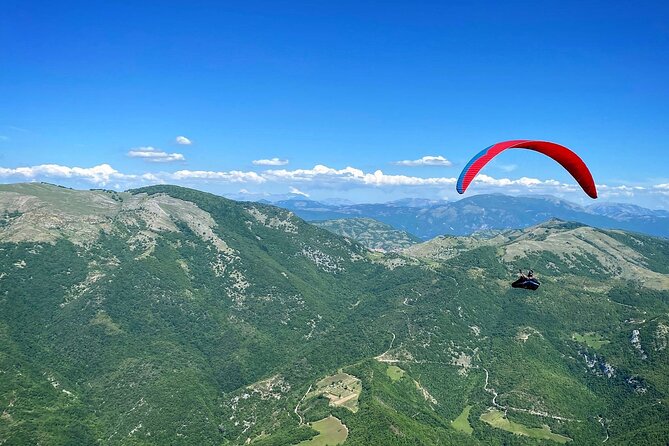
<point>620,212</point>
<point>615,254</point>
<point>369,232</point>
<point>336,201</point>
<point>165,315</point>
<point>244,195</point>
<point>415,202</point>
<point>428,219</point>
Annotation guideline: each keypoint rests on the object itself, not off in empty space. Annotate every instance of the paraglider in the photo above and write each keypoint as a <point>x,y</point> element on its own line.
<point>528,282</point>
<point>565,157</point>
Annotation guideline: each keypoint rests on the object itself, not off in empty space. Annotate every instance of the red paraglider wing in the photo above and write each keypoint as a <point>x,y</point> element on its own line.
<point>567,159</point>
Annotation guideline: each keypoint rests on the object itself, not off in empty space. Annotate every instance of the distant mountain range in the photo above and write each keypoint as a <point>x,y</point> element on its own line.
<point>427,218</point>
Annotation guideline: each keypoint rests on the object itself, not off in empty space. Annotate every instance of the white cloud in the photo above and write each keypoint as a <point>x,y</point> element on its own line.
<point>296,191</point>
<point>327,175</point>
<point>270,162</point>
<point>425,161</point>
<point>182,140</point>
<point>154,155</point>
<point>100,174</point>
<point>523,181</point>
<point>233,176</point>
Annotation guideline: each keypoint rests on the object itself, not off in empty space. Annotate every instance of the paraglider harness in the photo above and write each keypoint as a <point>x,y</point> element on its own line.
<point>528,282</point>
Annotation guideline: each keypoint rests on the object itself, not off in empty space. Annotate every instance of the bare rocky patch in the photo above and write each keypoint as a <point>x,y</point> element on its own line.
<point>635,340</point>
<point>284,223</point>
<point>80,289</point>
<point>322,260</point>
<point>524,334</point>
<point>271,388</point>
<point>423,391</point>
<point>661,337</point>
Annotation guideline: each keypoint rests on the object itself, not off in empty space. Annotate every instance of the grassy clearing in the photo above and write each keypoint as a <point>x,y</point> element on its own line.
<point>104,320</point>
<point>495,418</point>
<point>332,432</point>
<point>590,339</point>
<point>342,389</point>
<point>394,372</point>
<point>461,423</point>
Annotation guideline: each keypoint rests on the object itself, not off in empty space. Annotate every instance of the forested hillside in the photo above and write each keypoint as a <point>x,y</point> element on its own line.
<point>165,315</point>
<point>371,233</point>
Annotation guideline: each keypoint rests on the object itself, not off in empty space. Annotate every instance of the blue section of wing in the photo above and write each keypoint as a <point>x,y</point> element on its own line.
<point>469,164</point>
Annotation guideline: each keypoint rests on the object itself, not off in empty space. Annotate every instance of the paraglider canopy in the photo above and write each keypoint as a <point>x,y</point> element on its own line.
<point>565,157</point>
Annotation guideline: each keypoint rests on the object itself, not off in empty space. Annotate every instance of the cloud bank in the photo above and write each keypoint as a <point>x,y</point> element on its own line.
<point>99,175</point>
<point>325,178</point>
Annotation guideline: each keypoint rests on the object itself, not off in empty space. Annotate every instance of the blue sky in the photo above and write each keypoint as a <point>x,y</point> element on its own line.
<point>95,94</point>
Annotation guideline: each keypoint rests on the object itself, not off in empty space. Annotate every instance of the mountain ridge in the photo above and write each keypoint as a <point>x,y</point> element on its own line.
<point>480,212</point>
<point>169,315</point>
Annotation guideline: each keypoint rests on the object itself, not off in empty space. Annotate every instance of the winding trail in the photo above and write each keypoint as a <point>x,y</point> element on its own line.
<point>380,357</point>
<point>627,306</point>
<point>391,343</point>
<point>297,406</point>
<point>494,393</point>
<point>491,390</point>
<point>414,361</point>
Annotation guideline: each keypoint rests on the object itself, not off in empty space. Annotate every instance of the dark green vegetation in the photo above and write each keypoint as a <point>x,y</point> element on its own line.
<point>371,233</point>
<point>171,316</point>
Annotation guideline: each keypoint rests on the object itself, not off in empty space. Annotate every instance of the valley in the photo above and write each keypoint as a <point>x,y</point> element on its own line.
<point>176,316</point>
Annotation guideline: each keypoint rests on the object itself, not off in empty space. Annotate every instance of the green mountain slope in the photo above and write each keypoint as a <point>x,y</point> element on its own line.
<point>170,316</point>
<point>371,233</point>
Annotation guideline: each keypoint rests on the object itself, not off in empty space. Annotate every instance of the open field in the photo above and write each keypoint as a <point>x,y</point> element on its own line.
<point>332,432</point>
<point>495,418</point>
<point>591,339</point>
<point>461,423</point>
<point>394,373</point>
